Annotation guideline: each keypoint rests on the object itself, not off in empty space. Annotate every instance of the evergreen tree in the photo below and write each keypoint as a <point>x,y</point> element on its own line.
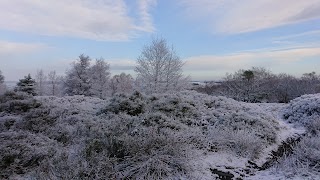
<point>27,85</point>
<point>1,78</point>
<point>3,87</point>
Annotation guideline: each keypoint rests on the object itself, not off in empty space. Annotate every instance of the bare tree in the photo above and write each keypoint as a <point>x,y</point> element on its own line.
<point>41,79</point>
<point>287,87</point>
<point>54,82</point>
<point>310,83</point>
<point>253,85</point>
<point>159,68</point>
<point>100,75</point>
<point>122,83</point>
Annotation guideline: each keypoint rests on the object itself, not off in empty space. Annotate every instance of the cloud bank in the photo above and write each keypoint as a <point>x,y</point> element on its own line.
<point>9,48</point>
<point>232,16</point>
<point>103,20</point>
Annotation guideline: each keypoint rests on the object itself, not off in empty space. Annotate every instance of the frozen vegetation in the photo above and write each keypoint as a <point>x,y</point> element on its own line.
<point>186,135</point>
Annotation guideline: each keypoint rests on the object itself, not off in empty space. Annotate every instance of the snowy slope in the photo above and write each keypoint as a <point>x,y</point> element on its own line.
<point>187,135</point>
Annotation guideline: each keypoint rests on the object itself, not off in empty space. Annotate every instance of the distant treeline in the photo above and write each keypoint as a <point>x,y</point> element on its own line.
<point>260,85</point>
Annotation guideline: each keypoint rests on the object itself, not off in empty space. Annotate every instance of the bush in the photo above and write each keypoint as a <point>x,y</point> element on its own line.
<point>153,154</point>
<point>132,105</point>
<point>17,102</point>
<point>22,152</point>
<point>8,122</point>
<point>134,136</point>
<point>303,109</point>
<point>160,120</point>
<point>304,160</point>
<point>240,142</point>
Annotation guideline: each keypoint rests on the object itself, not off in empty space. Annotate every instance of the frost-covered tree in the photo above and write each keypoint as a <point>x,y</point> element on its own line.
<point>310,83</point>
<point>286,88</point>
<point>122,83</point>
<point>27,85</point>
<point>77,80</point>
<point>3,87</point>
<point>1,78</point>
<point>41,79</point>
<point>100,75</point>
<point>253,85</point>
<point>54,82</point>
<point>159,68</point>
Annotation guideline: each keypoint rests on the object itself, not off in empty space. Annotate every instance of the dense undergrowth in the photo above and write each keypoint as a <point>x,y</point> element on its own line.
<point>127,137</point>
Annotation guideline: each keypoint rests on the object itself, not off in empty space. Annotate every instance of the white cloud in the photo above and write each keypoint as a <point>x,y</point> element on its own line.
<point>122,64</point>
<point>233,16</point>
<point>314,34</point>
<point>9,48</point>
<point>146,18</point>
<point>105,20</point>
<point>287,61</point>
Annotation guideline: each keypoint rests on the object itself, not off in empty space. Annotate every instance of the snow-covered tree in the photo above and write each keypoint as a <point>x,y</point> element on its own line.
<point>2,85</point>
<point>122,83</point>
<point>253,85</point>
<point>27,85</point>
<point>1,77</point>
<point>54,82</point>
<point>77,80</point>
<point>159,68</point>
<point>41,79</point>
<point>310,83</point>
<point>100,75</point>
<point>286,88</point>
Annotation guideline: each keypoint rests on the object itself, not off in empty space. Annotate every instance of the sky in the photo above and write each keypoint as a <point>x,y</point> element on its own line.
<point>212,37</point>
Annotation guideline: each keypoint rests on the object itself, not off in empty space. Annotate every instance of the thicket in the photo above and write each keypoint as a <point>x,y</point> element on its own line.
<point>260,85</point>
<point>133,136</point>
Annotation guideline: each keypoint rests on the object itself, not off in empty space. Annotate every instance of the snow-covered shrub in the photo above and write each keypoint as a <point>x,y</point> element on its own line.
<point>139,136</point>
<point>8,121</point>
<point>174,105</point>
<point>38,120</point>
<point>303,109</point>
<point>17,102</point>
<point>22,152</point>
<point>158,119</point>
<point>304,160</point>
<point>71,164</point>
<point>121,103</point>
<point>195,109</point>
<point>148,151</point>
<point>241,142</point>
<point>313,126</point>
<point>154,154</point>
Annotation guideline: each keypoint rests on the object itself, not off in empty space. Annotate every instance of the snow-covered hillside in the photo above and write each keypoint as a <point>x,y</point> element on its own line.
<point>187,135</point>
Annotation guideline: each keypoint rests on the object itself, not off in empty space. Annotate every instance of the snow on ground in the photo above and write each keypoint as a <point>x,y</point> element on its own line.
<point>273,174</point>
<point>224,134</point>
<point>286,130</point>
<point>239,166</point>
<point>76,104</point>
